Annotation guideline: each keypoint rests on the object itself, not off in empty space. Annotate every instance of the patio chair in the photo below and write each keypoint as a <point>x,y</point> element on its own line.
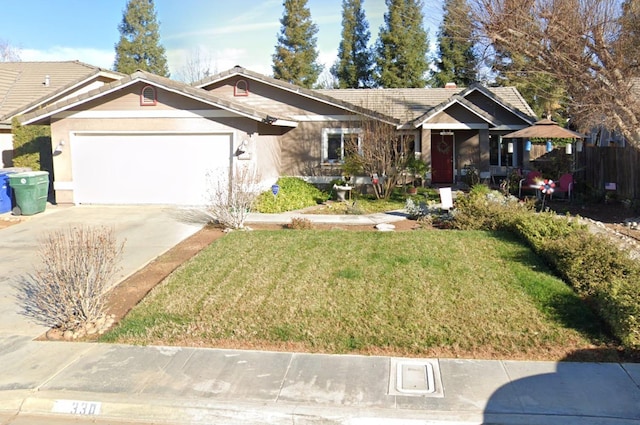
<point>527,183</point>
<point>564,185</point>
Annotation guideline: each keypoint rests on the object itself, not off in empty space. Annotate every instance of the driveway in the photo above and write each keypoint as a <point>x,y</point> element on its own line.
<point>148,231</point>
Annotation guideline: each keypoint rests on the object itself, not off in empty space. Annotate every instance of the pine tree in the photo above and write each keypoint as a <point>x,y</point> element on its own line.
<point>629,38</point>
<point>543,92</point>
<point>456,61</point>
<point>402,46</point>
<point>295,58</point>
<point>139,47</point>
<point>353,68</point>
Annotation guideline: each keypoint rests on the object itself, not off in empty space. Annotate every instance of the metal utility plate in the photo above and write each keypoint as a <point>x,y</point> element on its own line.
<point>415,377</point>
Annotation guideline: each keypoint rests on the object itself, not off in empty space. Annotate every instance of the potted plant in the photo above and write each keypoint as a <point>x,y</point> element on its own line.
<point>418,168</point>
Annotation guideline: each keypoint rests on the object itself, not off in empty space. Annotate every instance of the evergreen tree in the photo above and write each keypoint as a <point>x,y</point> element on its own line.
<point>545,93</point>
<point>295,59</point>
<point>139,46</point>
<point>353,68</point>
<point>629,35</point>
<point>456,61</point>
<point>402,46</point>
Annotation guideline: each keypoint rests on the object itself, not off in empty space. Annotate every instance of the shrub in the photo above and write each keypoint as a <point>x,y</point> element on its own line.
<point>600,272</point>
<point>300,223</point>
<point>294,194</point>
<point>486,209</point>
<point>229,204</point>
<point>68,291</point>
<point>619,306</point>
<point>542,228</point>
<point>32,146</point>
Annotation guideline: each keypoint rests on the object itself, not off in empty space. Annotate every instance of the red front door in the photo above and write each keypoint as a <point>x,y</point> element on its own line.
<point>441,158</point>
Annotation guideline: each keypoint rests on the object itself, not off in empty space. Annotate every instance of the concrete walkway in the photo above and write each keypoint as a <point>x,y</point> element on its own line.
<point>120,383</point>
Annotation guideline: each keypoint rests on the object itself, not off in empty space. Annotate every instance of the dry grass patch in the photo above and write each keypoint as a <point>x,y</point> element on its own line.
<point>467,294</point>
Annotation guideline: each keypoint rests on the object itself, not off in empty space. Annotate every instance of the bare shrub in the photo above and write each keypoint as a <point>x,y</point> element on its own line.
<point>231,200</point>
<point>300,223</point>
<point>68,290</point>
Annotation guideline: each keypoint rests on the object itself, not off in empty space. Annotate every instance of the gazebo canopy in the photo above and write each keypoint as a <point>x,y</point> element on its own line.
<point>544,129</point>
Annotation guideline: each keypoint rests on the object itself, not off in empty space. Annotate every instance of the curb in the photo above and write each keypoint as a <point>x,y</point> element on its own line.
<point>201,411</point>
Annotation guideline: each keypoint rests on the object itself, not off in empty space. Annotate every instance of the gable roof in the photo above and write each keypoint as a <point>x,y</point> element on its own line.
<point>165,83</point>
<point>403,104</point>
<point>27,85</point>
<point>510,93</point>
<point>415,106</point>
<point>404,108</point>
<point>317,95</point>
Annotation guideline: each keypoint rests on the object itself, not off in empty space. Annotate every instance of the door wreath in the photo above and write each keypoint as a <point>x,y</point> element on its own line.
<point>443,147</point>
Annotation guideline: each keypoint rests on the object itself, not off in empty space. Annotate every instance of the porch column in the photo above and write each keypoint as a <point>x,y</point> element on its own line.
<point>425,141</point>
<point>485,158</point>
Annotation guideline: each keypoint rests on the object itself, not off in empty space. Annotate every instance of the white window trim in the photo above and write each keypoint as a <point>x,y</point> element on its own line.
<point>332,131</point>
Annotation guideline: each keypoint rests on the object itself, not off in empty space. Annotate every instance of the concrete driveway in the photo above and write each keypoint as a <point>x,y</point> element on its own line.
<point>148,231</point>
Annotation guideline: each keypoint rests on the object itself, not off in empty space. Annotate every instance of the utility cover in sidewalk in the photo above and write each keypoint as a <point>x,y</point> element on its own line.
<point>415,378</point>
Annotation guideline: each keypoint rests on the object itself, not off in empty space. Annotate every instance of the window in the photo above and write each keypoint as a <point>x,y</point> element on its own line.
<point>148,96</point>
<point>336,142</point>
<point>241,88</point>
<point>499,151</point>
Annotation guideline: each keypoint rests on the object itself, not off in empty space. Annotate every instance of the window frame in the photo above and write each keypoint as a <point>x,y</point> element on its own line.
<point>146,100</point>
<point>241,91</point>
<point>342,132</point>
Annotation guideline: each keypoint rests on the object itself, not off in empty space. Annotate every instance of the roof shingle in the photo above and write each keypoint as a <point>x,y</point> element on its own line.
<point>24,83</point>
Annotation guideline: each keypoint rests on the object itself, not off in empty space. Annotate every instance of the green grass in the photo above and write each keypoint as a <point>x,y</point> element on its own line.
<point>406,293</point>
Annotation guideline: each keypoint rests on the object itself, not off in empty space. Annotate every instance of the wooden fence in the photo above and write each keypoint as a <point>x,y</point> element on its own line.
<point>599,169</point>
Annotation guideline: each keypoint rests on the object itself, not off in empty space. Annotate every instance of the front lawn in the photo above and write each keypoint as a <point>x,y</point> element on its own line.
<point>420,293</point>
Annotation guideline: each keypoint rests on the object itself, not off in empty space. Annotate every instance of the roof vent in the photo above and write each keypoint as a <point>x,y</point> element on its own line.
<point>47,81</point>
<point>450,86</point>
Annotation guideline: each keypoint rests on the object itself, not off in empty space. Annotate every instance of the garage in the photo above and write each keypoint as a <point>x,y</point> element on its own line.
<point>147,168</point>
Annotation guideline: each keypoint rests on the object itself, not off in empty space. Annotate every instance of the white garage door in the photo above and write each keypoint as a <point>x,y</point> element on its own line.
<point>148,168</point>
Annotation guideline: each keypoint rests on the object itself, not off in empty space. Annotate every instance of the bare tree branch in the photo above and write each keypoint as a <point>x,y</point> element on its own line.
<point>9,53</point>
<point>581,44</point>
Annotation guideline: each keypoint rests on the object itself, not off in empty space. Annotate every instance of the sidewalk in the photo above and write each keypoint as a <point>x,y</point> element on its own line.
<point>368,219</point>
<point>173,385</point>
<point>206,386</point>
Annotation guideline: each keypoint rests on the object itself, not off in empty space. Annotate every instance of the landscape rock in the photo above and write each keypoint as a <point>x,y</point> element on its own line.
<point>385,227</point>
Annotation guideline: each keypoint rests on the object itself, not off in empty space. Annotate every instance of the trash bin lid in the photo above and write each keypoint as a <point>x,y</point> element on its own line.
<point>30,174</point>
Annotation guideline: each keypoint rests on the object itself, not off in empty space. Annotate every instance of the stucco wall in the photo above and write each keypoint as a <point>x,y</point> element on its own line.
<point>106,116</point>
<point>275,100</point>
<point>467,149</point>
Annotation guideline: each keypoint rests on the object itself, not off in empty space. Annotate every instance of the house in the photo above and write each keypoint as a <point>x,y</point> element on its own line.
<point>151,140</point>
<point>27,86</point>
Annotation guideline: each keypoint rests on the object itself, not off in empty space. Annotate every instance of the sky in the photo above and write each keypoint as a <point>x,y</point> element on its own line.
<point>222,33</point>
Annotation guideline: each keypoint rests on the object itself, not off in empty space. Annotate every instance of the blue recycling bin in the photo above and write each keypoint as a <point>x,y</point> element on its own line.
<point>5,193</point>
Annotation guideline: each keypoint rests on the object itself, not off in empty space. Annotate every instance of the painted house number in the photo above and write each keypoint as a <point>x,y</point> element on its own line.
<point>77,407</point>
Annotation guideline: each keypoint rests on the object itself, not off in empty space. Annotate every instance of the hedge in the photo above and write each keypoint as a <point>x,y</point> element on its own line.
<point>593,265</point>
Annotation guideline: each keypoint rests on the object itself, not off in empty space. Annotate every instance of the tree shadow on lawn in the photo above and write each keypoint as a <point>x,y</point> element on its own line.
<point>566,308</point>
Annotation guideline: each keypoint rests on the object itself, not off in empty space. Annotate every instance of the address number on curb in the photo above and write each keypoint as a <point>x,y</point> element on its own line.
<point>77,407</point>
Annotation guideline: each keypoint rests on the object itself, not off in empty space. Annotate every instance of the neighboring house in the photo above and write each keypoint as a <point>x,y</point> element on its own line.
<point>27,86</point>
<point>148,139</point>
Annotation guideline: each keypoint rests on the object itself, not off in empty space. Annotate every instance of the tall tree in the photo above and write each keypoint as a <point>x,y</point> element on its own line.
<point>456,62</point>
<point>545,94</point>
<point>629,36</point>
<point>578,43</point>
<point>295,59</point>
<point>354,66</point>
<point>402,46</point>
<point>139,47</point>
